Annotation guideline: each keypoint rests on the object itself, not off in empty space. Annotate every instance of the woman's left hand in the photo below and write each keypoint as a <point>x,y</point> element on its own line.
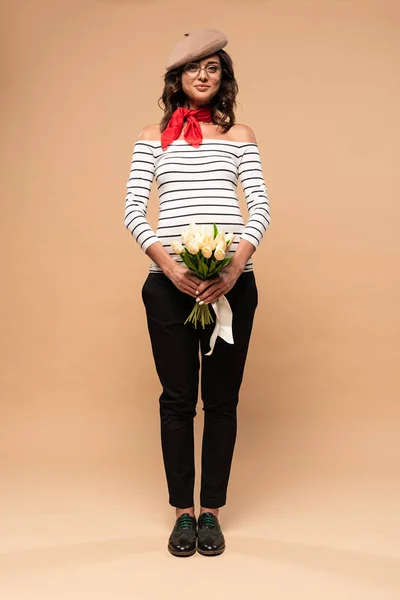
<point>211,289</point>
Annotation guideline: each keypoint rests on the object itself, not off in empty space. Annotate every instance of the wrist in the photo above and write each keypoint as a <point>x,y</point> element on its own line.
<point>169,268</point>
<point>161,258</point>
<point>236,267</point>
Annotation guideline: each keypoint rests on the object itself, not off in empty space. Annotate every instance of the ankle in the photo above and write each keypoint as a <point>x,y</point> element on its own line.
<point>214,511</point>
<point>181,511</point>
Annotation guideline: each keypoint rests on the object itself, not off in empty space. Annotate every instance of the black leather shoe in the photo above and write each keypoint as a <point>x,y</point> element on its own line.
<point>210,539</point>
<point>182,541</point>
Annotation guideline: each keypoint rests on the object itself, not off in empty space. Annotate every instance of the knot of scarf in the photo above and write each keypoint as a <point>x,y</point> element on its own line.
<point>192,132</point>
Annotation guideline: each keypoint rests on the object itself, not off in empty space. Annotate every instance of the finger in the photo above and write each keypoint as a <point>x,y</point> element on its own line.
<point>188,291</point>
<point>181,285</point>
<point>196,282</point>
<point>212,292</point>
<point>207,290</point>
<point>213,283</point>
<point>186,284</point>
<point>192,286</point>
<point>216,296</point>
<point>205,285</point>
<point>190,276</point>
<point>202,287</point>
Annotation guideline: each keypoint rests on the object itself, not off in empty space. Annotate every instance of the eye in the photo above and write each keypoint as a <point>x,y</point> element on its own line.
<point>213,68</point>
<point>191,68</point>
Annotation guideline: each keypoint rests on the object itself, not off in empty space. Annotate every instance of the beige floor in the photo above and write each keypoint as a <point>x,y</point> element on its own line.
<point>84,536</point>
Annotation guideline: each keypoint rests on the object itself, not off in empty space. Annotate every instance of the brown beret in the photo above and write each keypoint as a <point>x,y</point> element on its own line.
<point>195,45</point>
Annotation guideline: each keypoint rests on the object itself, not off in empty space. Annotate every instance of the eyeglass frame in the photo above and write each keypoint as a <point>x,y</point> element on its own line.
<point>200,69</point>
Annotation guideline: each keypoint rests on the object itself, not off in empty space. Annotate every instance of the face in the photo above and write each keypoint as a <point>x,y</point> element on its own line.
<point>202,86</point>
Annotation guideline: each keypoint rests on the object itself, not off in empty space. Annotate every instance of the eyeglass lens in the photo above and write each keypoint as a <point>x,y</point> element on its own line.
<point>193,69</point>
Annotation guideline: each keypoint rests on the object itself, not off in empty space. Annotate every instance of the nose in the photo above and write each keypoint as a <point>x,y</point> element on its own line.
<point>203,75</point>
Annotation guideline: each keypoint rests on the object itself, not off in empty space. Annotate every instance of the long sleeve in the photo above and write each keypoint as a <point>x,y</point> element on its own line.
<point>139,185</point>
<point>256,194</point>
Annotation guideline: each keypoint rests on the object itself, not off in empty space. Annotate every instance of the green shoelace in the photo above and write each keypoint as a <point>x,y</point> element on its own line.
<point>208,520</point>
<point>185,521</point>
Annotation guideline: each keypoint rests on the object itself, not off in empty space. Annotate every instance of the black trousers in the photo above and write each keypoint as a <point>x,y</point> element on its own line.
<point>176,353</point>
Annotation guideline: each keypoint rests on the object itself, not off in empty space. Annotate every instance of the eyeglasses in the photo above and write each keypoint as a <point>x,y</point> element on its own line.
<point>193,69</point>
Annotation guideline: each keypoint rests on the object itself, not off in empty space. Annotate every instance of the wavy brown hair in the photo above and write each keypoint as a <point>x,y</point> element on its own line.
<point>222,105</point>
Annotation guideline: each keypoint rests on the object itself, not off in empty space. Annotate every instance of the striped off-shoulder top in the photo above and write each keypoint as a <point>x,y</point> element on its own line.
<point>196,185</point>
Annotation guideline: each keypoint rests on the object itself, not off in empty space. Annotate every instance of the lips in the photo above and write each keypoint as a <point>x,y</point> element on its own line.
<point>202,87</point>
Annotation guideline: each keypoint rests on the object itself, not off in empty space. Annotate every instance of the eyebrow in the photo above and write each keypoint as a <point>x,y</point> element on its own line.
<point>209,62</point>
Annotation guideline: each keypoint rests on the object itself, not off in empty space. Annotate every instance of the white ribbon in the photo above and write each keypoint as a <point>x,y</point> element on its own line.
<point>223,323</point>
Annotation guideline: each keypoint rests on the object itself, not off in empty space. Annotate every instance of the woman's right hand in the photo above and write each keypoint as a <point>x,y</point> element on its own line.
<point>184,279</point>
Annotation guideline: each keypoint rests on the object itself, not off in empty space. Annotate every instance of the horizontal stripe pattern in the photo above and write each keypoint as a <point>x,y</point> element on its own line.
<point>196,185</point>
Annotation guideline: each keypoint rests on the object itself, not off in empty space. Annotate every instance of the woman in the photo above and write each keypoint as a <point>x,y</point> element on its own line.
<point>197,154</point>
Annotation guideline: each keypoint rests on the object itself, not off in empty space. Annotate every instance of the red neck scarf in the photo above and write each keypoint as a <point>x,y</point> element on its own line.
<point>192,132</point>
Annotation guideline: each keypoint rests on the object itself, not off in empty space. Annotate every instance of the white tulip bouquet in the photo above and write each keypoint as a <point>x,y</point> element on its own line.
<point>203,250</point>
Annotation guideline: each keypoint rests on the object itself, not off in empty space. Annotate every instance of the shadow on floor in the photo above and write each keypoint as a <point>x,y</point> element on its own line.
<point>373,569</point>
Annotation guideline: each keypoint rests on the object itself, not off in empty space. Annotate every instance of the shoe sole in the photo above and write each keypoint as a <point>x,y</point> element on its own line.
<point>183,553</point>
<point>211,552</point>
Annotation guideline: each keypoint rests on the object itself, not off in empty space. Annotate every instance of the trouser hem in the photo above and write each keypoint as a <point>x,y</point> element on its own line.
<point>212,503</point>
<point>181,505</point>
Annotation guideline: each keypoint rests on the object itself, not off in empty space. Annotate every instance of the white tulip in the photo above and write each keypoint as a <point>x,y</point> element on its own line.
<point>189,232</point>
<point>192,246</point>
<point>177,248</point>
<point>229,239</point>
<point>207,231</point>
<point>209,242</point>
<point>220,238</point>
<point>200,239</point>
<point>206,251</point>
<point>219,252</point>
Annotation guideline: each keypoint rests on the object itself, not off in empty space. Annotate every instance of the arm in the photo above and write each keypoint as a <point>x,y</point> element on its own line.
<point>138,191</point>
<point>255,191</point>
<point>141,177</point>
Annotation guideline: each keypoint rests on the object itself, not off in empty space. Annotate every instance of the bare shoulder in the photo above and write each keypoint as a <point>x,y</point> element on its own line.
<point>150,133</point>
<point>242,133</point>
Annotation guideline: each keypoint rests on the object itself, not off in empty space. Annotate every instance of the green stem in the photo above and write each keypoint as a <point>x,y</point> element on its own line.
<point>200,313</point>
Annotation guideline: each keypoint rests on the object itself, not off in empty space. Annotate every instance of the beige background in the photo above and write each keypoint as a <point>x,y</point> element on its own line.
<point>314,492</point>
